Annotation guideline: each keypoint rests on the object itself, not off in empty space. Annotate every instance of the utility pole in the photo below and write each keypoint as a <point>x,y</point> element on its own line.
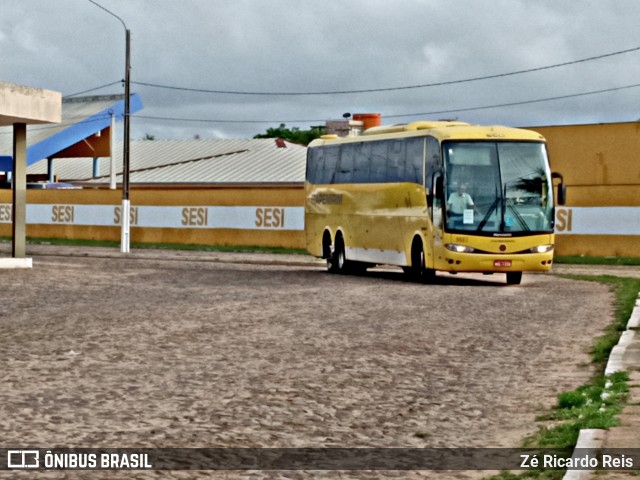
<point>125,237</point>
<point>125,240</point>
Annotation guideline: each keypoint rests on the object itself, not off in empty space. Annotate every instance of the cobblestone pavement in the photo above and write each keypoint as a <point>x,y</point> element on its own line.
<point>193,349</point>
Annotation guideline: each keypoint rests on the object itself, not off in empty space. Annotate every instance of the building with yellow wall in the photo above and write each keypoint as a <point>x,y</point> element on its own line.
<point>251,192</point>
<point>209,192</point>
<point>601,167</point>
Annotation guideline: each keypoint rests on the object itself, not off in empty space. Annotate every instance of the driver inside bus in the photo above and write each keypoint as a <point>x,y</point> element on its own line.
<point>459,201</point>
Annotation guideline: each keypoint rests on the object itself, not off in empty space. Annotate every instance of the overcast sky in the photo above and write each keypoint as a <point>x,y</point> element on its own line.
<point>285,46</point>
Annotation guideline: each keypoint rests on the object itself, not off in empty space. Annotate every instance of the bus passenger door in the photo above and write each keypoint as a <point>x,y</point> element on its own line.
<point>434,182</point>
<point>436,209</point>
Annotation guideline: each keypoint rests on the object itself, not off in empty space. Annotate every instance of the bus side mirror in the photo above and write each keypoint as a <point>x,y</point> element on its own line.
<point>562,194</point>
<point>562,189</point>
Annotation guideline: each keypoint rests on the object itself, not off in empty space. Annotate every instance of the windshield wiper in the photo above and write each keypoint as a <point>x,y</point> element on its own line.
<point>493,207</point>
<point>504,202</point>
<point>516,213</point>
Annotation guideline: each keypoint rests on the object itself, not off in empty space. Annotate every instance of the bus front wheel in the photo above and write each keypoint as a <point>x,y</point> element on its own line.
<point>418,271</point>
<point>514,278</point>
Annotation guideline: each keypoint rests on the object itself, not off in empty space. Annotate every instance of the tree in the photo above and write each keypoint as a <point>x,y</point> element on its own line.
<point>293,135</point>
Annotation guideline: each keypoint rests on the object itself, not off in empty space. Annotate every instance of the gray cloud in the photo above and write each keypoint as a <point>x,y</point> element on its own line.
<point>292,45</point>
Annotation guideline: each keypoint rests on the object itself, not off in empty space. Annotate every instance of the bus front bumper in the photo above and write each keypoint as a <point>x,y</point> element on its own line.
<point>472,262</point>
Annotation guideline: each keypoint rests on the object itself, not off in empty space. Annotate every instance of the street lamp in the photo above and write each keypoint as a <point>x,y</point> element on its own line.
<point>125,237</point>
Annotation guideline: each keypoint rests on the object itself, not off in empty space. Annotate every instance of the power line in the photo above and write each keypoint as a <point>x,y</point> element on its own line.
<point>371,90</point>
<point>93,89</point>
<point>69,121</point>
<point>439,112</point>
<point>513,104</point>
<point>389,89</point>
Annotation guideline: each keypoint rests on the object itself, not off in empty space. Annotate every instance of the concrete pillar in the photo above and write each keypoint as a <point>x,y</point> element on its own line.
<point>21,105</point>
<point>19,210</point>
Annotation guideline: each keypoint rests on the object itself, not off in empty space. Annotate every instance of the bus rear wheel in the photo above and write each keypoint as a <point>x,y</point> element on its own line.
<point>337,261</point>
<point>514,278</point>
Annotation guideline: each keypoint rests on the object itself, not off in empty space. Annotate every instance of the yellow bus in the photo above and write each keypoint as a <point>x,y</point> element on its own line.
<point>432,196</point>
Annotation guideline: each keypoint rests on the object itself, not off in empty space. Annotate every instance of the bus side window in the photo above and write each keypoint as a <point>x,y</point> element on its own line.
<point>345,171</point>
<point>397,160</point>
<point>378,167</point>
<point>415,159</point>
<point>330,165</point>
<point>314,160</point>
<point>361,161</point>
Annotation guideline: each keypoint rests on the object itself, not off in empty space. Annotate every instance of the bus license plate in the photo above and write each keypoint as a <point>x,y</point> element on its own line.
<point>502,263</point>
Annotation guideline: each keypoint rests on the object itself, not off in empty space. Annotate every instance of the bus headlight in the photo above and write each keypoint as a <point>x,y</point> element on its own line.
<point>541,249</point>
<point>459,248</point>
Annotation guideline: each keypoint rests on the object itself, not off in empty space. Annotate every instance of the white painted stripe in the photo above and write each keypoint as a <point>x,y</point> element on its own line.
<point>598,220</point>
<point>569,220</point>
<point>158,217</point>
<point>370,255</point>
<point>232,217</point>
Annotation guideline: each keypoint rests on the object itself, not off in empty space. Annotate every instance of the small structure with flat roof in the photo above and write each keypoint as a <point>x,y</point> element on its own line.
<point>21,106</point>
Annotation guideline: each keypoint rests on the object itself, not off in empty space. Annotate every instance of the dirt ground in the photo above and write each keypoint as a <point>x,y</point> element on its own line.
<point>228,350</point>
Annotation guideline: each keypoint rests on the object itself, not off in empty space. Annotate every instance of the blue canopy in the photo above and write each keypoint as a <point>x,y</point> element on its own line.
<point>82,117</point>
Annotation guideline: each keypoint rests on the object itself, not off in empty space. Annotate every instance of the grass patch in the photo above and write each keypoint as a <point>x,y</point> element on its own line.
<point>625,292</point>
<point>220,248</point>
<point>588,260</point>
<point>533,474</point>
<point>162,246</point>
<point>594,405</point>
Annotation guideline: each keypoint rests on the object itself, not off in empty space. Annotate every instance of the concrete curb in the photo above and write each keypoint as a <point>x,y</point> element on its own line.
<point>634,321</point>
<point>618,361</point>
<point>16,263</point>
<point>629,337</point>
<point>588,439</point>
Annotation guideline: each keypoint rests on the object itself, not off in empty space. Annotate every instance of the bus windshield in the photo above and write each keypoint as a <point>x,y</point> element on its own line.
<point>497,187</point>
